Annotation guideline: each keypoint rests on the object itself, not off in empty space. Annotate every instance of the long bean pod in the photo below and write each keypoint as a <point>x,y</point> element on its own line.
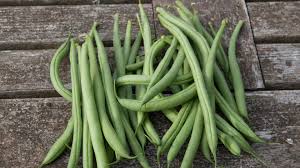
<point>76,107</point>
<point>237,81</point>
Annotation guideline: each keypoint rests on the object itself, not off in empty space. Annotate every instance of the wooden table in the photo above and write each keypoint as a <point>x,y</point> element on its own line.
<point>32,115</point>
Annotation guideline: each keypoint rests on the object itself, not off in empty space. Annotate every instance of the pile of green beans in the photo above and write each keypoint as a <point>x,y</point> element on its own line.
<point>186,75</point>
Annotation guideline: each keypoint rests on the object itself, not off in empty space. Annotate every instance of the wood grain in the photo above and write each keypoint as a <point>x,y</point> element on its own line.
<point>28,127</point>
<point>280,65</point>
<point>47,26</point>
<point>275,21</point>
<point>65,2</point>
<point>215,11</point>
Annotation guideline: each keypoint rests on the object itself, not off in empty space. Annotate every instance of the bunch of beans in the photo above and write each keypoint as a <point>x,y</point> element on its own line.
<point>110,111</point>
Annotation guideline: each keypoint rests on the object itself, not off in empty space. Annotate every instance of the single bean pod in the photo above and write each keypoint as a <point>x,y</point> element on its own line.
<point>127,42</point>
<point>229,143</point>
<point>60,144</point>
<point>61,52</point>
<point>135,66</point>
<point>76,107</point>
<point>237,81</point>
<point>144,80</point>
<point>87,147</point>
<point>205,148</point>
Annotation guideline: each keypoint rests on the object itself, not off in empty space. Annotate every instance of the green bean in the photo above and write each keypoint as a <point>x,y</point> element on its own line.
<point>163,65</point>
<point>220,49</point>
<point>112,102</point>
<point>108,131</point>
<point>174,129</point>
<point>127,42</point>
<point>209,66</point>
<point>222,86</point>
<point>119,56</point>
<point>221,59</point>
<point>184,16</point>
<point>237,80</point>
<point>144,80</point>
<point>155,49</point>
<point>161,103</point>
<point>194,141</point>
<point>205,148</point>
<point>135,48</point>
<point>61,52</point>
<point>228,129</point>
<point>235,119</point>
<point>76,108</point>
<point>175,88</point>
<point>210,127</point>
<point>91,110</point>
<point>87,148</point>
<point>60,144</point>
<point>166,80</point>
<point>229,143</point>
<point>140,132</point>
<point>183,134</point>
<point>135,66</point>
<point>170,114</point>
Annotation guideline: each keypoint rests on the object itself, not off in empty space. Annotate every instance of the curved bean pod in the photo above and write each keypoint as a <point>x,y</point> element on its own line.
<point>61,52</point>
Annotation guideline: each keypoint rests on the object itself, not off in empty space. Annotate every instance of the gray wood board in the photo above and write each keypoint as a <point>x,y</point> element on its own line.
<point>234,10</point>
<point>280,65</point>
<point>275,21</point>
<point>28,127</point>
<point>65,2</point>
<point>35,27</point>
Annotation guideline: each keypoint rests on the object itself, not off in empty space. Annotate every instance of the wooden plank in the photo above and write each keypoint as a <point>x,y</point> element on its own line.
<point>65,2</point>
<point>28,127</point>
<point>47,26</point>
<point>275,21</point>
<point>25,73</point>
<point>215,11</point>
<point>280,65</point>
<point>44,2</point>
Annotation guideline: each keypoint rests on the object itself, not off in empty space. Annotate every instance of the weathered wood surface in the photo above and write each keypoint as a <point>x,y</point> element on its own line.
<point>280,65</point>
<point>26,73</point>
<point>28,127</point>
<point>47,26</point>
<point>65,2</point>
<point>215,11</point>
<point>275,21</point>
